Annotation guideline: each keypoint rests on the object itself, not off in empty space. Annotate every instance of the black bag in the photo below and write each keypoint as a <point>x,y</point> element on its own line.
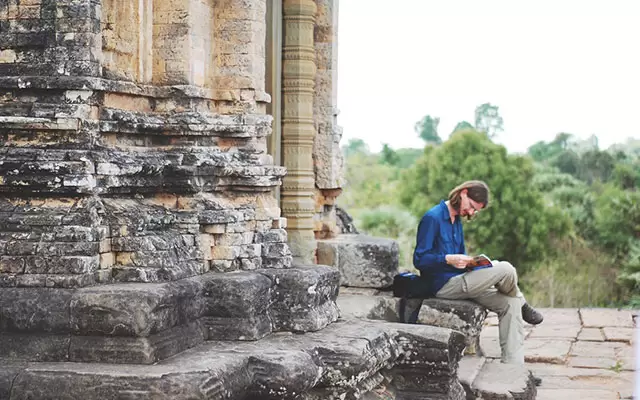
<point>408,285</point>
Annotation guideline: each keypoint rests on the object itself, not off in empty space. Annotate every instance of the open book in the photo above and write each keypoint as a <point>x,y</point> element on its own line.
<point>479,261</point>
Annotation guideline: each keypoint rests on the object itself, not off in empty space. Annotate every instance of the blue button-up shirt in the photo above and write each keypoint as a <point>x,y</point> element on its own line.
<point>436,238</point>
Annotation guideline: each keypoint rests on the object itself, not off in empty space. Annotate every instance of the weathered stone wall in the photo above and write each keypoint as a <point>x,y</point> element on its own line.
<point>327,156</point>
<point>112,180</point>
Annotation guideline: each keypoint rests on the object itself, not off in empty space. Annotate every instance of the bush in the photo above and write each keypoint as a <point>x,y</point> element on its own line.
<point>578,276</point>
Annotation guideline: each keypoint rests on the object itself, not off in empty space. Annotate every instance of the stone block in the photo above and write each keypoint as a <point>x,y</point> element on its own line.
<point>41,347</point>
<point>601,317</point>
<point>8,373</point>
<point>464,316</point>
<point>135,310</point>
<point>363,261</point>
<point>237,306</point>
<point>591,335</point>
<point>549,351</point>
<point>304,297</point>
<point>617,334</point>
<point>135,350</point>
<point>41,310</point>
<point>346,358</point>
<point>503,381</point>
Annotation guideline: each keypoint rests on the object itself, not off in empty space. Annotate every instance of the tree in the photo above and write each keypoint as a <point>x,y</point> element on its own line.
<point>625,176</point>
<point>407,157</point>
<point>543,151</point>
<point>388,155</point>
<point>596,165</point>
<point>617,219</point>
<point>462,126</point>
<point>427,129</point>
<point>568,162</point>
<point>355,146</point>
<point>562,140</point>
<point>488,120</point>
<point>518,226</point>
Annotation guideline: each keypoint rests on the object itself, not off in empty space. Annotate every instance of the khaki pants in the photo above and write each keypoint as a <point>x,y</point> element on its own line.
<point>495,288</point>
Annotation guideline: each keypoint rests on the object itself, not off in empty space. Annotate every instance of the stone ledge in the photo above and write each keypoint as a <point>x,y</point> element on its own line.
<point>338,362</point>
<point>464,316</point>
<point>502,381</point>
<point>176,170</point>
<point>143,323</point>
<point>85,83</point>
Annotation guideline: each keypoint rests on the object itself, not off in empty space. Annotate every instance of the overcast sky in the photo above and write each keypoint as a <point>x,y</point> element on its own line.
<point>550,65</point>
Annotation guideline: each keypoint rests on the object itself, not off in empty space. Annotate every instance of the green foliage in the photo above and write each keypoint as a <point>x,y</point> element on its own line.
<point>391,221</point>
<point>462,126</point>
<point>625,176</point>
<point>576,276</point>
<point>488,119</point>
<point>567,161</point>
<point>517,226</point>
<point>388,155</point>
<point>596,165</point>
<point>542,151</point>
<point>427,129</point>
<point>577,202</point>
<point>369,183</point>
<point>407,157</point>
<point>355,146</point>
<point>546,182</point>
<point>630,275</point>
<point>617,220</point>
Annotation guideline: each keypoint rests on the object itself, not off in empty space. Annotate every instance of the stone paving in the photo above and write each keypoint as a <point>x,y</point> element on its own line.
<point>584,354</point>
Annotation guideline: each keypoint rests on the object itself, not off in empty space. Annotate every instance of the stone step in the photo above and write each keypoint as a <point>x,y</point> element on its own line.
<point>461,315</point>
<point>486,379</point>
<point>468,370</point>
<point>145,322</point>
<point>363,261</point>
<point>347,359</point>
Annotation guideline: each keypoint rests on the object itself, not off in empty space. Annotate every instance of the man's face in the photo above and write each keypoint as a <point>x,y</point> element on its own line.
<point>468,207</point>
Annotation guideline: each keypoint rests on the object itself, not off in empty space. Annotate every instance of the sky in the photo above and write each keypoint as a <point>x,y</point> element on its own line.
<point>549,65</point>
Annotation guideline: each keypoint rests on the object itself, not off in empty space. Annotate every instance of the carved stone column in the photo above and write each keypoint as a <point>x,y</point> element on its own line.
<point>298,131</point>
<point>327,155</point>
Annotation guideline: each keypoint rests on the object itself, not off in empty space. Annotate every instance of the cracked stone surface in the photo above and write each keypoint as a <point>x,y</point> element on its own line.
<point>343,361</point>
<point>584,354</point>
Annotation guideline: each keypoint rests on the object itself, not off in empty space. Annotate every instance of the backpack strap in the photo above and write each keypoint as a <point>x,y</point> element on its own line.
<point>413,318</point>
<point>403,308</point>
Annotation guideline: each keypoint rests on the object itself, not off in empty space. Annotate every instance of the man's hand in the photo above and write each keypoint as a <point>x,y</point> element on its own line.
<point>458,260</point>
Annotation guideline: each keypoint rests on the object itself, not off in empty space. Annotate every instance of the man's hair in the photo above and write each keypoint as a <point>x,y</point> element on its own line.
<point>478,191</point>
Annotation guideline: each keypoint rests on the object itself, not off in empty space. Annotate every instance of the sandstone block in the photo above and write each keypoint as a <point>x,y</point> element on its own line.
<point>41,310</point>
<point>363,261</point>
<point>304,297</point>
<point>237,306</point>
<point>601,317</point>
<point>497,380</point>
<point>136,350</point>
<point>34,347</point>
<point>345,358</point>
<point>136,310</point>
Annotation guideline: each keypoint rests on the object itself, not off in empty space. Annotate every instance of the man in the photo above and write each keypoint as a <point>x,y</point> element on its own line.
<point>441,258</point>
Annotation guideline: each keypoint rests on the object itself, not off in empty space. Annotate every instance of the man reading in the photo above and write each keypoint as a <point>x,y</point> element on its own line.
<point>441,258</point>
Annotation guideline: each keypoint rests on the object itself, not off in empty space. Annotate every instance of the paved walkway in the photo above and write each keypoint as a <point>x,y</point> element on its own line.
<point>583,354</point>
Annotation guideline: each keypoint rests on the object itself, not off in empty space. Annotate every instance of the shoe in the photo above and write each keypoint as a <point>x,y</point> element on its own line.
<point>530,315</point>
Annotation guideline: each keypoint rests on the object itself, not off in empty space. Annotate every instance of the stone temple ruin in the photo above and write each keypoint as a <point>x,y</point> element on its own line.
<point>168,180</point>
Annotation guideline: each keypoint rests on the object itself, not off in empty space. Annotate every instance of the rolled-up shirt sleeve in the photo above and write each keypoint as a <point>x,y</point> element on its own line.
<point>426,254</point>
